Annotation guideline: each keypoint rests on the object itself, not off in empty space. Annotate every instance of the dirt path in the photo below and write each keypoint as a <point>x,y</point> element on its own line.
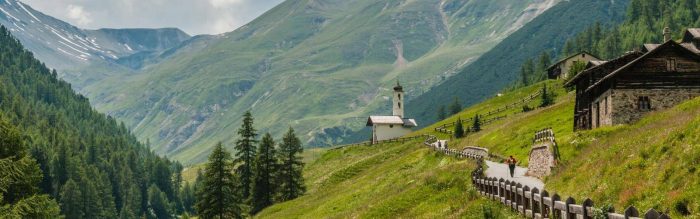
<point>500,170</point>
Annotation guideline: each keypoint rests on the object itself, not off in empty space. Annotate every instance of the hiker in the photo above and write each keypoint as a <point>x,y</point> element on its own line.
<point>445,144</point>
<point>511,165</point>
<point>439,144</point>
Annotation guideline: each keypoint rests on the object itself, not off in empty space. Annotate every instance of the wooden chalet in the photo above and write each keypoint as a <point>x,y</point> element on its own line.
<point>622,90</point>
<point>560,69</point>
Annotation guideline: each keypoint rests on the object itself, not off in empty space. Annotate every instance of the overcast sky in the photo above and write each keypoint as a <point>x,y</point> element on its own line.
<point>192,16</point>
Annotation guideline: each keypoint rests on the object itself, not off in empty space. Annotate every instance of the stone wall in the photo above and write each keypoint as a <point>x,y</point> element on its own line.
<point>544,154</point>
<point>542,160</point>
<point>625,102</point>
<point>483,152</point>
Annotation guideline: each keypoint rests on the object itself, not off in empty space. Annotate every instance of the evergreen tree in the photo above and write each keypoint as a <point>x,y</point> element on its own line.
<point>455,107</point>
<point>245,154</point>
<point>20,176</point>
<point>158,204</point>
<point>546,97</point>
<point>187,195</point>
<point>72,200</point>
<point>527,72</point>
<point>542,64</point>
<point>476,125</point>
<point>218,196</point>
<point>265,170</point>
<point>459,129</point>
<point>441,113</point>
<point>290,179</point>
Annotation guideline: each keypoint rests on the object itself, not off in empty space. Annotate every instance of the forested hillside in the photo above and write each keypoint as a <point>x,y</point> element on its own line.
<point>500,67</point>
<point>90,164</point>
<point>643,24</point>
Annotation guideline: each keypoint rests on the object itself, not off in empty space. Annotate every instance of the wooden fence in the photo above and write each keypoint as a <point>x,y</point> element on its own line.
<point>393,140</point>
<point>536,203</point>
<point>444,128</point>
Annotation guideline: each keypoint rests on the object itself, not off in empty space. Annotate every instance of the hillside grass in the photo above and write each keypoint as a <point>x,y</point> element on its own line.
<point>513,135</point>
<point>387,181</point>
<point>649,164</point>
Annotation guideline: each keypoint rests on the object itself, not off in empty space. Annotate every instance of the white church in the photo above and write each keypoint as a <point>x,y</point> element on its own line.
<point>394,126</point>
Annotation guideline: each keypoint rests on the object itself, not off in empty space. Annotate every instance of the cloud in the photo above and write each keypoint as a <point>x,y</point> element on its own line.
<point>224,3</point>
<point>77,14</point>
<point>192,16</point>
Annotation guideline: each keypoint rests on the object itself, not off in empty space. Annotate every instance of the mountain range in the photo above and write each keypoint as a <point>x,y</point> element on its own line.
<point>320,66</point>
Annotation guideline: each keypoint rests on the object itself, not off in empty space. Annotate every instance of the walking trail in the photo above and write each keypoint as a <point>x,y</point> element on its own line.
<point>500,170</point>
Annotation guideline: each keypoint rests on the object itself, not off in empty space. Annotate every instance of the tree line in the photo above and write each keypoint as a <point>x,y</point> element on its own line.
<point>262,173</point>
<point>60,156</point>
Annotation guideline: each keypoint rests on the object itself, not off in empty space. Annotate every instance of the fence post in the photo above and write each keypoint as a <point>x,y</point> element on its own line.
<point>631,211</point>
<point>652,214</point>
<point>502,190</point>
<point>587,208</point>
<point>536,202</point>
<point>555,212</point>
<point>569,201</point>
<point>545,207</point>
<point>527,199</point>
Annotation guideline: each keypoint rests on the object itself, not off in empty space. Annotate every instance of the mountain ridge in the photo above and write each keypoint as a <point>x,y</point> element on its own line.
<point>342,54</point>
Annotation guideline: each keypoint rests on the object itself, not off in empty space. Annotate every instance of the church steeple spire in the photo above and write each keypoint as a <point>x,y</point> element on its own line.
<point>398,100</point>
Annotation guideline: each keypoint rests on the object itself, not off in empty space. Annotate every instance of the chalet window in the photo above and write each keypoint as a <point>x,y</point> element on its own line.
<point>644,103</point>
<point>399,105</point>
<point>391,126</point>
<point>583,55</point>
<point>671,65</point>
<point>399,96</point>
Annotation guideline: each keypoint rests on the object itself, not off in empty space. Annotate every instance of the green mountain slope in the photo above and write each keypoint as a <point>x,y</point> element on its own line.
<point>321,66</point>
<point>658,155</point>
<point>499,67</point>
<point>76,147</point>
<point>387,181</point>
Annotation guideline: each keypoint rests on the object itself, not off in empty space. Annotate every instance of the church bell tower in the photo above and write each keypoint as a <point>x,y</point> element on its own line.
<point>398,101</point>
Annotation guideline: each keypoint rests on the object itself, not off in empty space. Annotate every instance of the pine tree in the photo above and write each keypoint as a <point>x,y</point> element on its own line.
<point>72,200</point>
<point>441,113</point>
<point>459,129</point>
<point>476,125</point>
<point>20,176</point>
<point>527,72</point>
<point>546,97</point>
<point>218,196</point>
<point>265,170</point>
<point>187,195</point>
<point>245,154</point>
<point>158,204</point>
<point>542,65</point>
<point>455,107</point>
<point>290,179</point>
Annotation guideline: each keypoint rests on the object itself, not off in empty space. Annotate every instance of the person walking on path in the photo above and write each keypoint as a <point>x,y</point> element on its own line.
<point>511,165</point>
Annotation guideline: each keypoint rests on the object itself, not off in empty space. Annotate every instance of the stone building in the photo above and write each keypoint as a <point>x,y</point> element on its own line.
<point>560,69</point>
<point>622,90</point>
<point>394,126</point>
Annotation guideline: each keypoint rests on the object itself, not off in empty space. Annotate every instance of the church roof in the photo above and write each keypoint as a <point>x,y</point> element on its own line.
<point>398,87</point>
<point>391,120</point>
